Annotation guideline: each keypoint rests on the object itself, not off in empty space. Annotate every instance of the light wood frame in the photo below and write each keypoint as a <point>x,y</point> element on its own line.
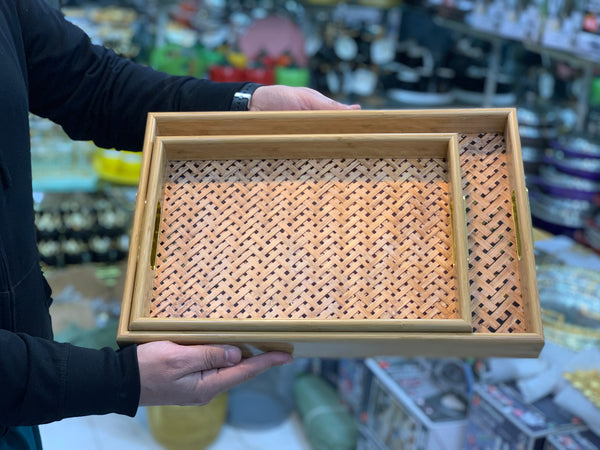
<point>317,343</point>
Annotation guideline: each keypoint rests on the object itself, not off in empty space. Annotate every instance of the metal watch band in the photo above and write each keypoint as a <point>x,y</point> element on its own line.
<point>241,99</point>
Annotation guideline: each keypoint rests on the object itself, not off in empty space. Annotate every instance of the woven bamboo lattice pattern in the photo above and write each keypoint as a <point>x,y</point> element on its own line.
<point>318,239</point>
<point>496,301</point>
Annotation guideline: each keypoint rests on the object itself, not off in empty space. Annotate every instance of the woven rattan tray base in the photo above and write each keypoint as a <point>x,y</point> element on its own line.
<point>502,289</point>
<point>332,231</point>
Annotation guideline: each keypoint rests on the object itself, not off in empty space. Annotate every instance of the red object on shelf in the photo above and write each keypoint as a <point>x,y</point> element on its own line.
<point>261,75</point>
<point>227,74</point>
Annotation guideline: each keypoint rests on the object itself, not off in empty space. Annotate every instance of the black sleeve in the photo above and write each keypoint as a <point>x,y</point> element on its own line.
<point>95,94</point>
<point>52,381</point>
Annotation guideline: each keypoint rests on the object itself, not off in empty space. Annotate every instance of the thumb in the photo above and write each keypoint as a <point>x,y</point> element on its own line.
<point>316,100</point>
<point>207,357</point>
<point>225,379</point>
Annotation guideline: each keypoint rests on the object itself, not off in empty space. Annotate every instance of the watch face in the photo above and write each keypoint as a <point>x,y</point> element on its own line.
<point>345,48</point>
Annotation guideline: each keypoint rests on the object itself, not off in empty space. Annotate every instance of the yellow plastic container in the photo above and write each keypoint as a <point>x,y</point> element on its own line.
<point>188,427</point>
<point>119,167</point>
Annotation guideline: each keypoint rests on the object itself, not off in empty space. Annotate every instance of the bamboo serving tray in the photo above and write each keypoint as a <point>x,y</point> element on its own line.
<point>354,233</point>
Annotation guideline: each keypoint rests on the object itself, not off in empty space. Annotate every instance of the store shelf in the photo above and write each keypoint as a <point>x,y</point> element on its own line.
<point>573,57</point>
<point>584,61</point>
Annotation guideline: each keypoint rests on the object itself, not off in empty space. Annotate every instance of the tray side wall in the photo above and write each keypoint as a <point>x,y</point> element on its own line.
<point>144,271</point>
<point>360,345</point>
<point>302,146</point>
<point>317,122</point>
<point>134,243</point>
<point>523,225</point>
<point>459,231</point>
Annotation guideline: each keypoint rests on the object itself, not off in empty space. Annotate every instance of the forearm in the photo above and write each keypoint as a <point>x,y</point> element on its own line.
<point>111,106</point>
<point>45,381</point>
<point>95,94</point>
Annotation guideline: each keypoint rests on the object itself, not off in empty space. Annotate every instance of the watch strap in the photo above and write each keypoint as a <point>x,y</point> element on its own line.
<point>241,99</point>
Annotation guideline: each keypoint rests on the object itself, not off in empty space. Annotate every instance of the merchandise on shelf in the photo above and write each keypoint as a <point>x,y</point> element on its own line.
<point>537,124</point>
<point>565,376</point>
<point>111,26</point>
<point>57,162</point>
<point>569,299</point>
<point>264,401</point>
<point>418,80</point>
<point>349,50</point>
<point>565,191</point>
<point>563,22</point>
<point>82,227</point>
<point>576,440</point>
<point>327,423</point>
<point>263,43</point>
<point>556,24</point>
<point>188,427</point>
<point>580,392</point>
<point>416,404</point>
<point>353,382</point>
<point>118,167</point>
<point>500,418</point>
<point>591,232</point>
<point>180,60</point>
<point>588,36</point>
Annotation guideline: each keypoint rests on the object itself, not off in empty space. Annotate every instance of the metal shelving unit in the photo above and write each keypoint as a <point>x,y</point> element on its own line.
<point>586,63</point>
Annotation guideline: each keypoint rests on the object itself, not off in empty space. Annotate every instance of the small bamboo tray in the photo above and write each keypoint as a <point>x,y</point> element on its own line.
<point>331,234</point>
<point>296,233</point>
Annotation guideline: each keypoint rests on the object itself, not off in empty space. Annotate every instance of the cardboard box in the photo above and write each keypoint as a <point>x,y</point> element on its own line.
<point>587,41</point>
<point>499,418</point>
<point>409,408</point>
<point>575,440</point>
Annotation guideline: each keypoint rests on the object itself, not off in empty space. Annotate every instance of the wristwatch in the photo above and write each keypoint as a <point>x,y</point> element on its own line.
<point>241,99</point>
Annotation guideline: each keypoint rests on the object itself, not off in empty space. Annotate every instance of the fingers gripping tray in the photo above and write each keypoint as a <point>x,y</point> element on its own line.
<point>352,233</point>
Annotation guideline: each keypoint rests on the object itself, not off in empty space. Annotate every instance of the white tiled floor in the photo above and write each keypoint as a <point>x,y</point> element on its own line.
<point>111,431</point>
<point>116,432</point>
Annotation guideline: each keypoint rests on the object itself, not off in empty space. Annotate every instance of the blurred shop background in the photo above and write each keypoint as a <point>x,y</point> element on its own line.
<point>541,56</point>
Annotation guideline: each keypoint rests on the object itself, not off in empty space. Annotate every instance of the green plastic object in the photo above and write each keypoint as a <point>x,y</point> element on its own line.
<point>595,92</point>
<point>328,424</point>
<point>177,60</point>
<point>292,76</point>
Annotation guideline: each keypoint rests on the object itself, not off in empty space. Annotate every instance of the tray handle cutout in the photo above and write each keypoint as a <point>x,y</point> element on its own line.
<point>452,237</point>
<point>155,236</point>
<point>517,226</point>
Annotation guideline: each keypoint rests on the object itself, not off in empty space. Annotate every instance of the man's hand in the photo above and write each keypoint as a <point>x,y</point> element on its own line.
<point>172,374</point>
<point>286,98</point>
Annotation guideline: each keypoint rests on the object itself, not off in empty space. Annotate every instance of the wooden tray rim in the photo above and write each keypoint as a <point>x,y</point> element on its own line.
<point>358,345</point>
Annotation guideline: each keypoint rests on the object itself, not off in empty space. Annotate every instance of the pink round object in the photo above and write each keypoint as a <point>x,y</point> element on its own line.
<point>274,36</point>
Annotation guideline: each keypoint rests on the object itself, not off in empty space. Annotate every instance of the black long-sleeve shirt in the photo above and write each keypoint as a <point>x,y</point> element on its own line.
<point>50,68</point>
